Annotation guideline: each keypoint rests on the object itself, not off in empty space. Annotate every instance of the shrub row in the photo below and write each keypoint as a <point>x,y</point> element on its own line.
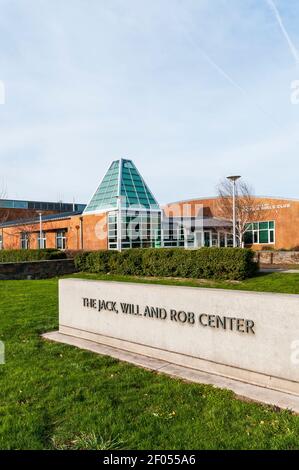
<point>15,256</point>
<point>205,263</point>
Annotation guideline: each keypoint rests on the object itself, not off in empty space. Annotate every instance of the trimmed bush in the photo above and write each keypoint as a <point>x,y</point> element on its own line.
<point>205,263</point>
<point>15,256</point>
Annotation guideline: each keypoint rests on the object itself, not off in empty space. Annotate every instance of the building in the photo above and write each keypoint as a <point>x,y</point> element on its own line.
<point>274,226</point>
<point>123,213</point>
<point>15,209</point>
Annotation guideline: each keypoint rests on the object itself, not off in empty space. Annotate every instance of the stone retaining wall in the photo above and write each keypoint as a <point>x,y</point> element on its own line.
<point>36,269</point>
<point>277,257</point>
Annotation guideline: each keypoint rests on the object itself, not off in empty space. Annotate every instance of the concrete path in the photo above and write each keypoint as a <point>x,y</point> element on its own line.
<point>241,389</point>
<point>278,270</point>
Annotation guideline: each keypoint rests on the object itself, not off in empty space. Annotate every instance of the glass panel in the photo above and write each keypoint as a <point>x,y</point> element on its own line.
<point>214,239</point>
<point>207,239</point>
<point>222,239</point>
<point>230,240</point>
<point>264,236</point>
<point>133,189</point>
<point>106,194</point>
<point>248,238</point>
<point>271,234</point>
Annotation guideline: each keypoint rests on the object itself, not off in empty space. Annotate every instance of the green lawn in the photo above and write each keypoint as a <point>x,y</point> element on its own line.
<point>273,282</point>
<point>54,396</point>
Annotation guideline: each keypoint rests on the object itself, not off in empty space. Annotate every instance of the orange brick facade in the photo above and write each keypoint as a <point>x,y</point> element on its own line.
<point>284,213</point>
<point>87,232</point>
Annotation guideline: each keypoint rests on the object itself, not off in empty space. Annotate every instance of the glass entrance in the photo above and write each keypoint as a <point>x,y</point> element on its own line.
<point>207,239</point>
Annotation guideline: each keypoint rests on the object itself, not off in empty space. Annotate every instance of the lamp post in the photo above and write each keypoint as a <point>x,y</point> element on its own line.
<point>41,243</point>
<point>119,222</point>
<point>233,179</point>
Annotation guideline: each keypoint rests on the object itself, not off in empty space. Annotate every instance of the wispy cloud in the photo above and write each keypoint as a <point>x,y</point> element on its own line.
<point>227,76</point>
<point>189,96</point>
<point>293,49</point>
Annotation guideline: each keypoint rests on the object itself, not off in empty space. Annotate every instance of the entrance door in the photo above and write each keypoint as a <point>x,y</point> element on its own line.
<point>207,238</point>
<point>222,239</point>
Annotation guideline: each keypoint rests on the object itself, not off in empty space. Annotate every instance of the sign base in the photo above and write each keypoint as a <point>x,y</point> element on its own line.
<point>242,389</point>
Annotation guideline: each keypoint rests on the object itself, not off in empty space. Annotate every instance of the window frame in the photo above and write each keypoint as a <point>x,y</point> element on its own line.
<point>44,239</point>
<point>61,235</point>
<point>255,231</point>
<point>24,241</point>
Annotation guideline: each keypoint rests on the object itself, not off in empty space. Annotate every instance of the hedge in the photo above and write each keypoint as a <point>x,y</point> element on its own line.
<point>204,263</point>
<point>15,256</point>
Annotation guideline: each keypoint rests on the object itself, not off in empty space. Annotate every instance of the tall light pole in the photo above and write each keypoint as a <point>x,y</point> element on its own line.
<point>233,179</point>
<point>41,243</point>
<point>119,222</point>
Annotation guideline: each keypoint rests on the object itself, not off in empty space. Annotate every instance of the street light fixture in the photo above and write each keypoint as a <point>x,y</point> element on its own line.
<point>233,179</point>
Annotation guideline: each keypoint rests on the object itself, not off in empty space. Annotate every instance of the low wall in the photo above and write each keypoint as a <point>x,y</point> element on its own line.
<point>277,257</point>
<point>36,269</point>
<point>246,336</point>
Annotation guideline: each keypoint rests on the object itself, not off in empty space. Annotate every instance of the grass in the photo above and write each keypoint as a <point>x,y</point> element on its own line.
<point>273,282</point>
<point>54,396</point>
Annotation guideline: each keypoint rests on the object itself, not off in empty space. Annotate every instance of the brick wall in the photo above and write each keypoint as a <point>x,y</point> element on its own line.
<point>94,233</point>
<point>284,212</point>
<point>36,269</point>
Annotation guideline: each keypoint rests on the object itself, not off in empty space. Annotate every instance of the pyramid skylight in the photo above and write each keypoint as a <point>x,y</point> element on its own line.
<point>122,179</point>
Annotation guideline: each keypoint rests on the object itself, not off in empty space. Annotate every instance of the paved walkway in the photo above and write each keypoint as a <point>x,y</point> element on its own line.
<point>279,270</point>
<point>241,389</point>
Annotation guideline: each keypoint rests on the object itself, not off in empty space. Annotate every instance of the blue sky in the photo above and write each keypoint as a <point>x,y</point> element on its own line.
<point>191,90</point>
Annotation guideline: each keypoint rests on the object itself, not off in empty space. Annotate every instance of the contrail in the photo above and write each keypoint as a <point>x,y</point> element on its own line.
<point>291,45</point>
<point>277,123</point>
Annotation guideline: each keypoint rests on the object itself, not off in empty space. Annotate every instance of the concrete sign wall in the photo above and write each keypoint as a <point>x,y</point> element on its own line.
<point>246,336</point>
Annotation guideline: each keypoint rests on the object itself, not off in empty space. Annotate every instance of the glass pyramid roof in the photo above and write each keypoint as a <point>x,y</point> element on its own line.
<point>122,179</point>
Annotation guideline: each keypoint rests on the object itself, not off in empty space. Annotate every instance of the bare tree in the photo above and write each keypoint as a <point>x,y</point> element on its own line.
<point>27,229</point>
<point>247,205</point>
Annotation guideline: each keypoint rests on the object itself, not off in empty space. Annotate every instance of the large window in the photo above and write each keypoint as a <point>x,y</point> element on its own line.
<point>61,239</point>
<point>262,233</point>
<point>42,241</point>
<point>174,233</point>
<point>139,229</point>
<point>112,230</point>
<point>24,241</point>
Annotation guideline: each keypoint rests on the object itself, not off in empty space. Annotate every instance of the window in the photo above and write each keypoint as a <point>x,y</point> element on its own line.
<point>138,229</point>
<point>262,233</point>
<point>61,239</point>
<point>174,234</point>
<point>24,241</point>
<point>229,240</point>
<point>42,242</point>
<point>1,242</point>
<point>112,230</point>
